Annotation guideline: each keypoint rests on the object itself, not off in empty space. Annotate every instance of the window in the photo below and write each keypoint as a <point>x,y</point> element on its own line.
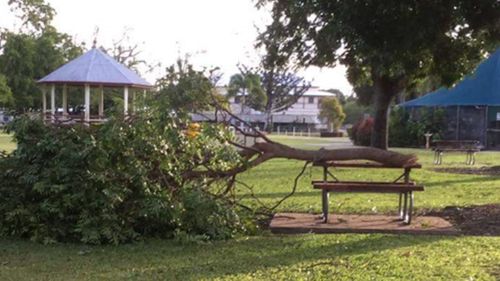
<point>237,100</point>
<point>311,100</point>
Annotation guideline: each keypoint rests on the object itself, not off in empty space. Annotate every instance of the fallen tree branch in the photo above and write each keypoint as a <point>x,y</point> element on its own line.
<point>295,183</point>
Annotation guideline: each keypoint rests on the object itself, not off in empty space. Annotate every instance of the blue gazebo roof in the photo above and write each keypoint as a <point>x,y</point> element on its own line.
<point>95,68</point>
<point>480,88</point>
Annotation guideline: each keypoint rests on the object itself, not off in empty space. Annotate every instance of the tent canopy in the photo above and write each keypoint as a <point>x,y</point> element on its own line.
<point>95,68</point>
<point>480,88</point>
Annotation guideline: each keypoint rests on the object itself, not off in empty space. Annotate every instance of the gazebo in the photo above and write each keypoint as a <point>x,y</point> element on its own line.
<point>94,69</point>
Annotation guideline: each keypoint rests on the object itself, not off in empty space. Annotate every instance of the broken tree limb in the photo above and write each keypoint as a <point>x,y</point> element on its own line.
<point>273,150</point>
<point>265,149</point>
<point>390,158</point>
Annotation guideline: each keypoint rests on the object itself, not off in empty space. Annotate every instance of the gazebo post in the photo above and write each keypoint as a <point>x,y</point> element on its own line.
<point>65,100</point>
<point>87,104</point>
<point>125,100</point>
<point>101,101</point>
<point>44,103</point>
<point>133,102</point>
<point>53,102</point>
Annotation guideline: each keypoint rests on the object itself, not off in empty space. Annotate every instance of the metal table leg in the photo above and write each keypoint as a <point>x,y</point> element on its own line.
<point>400,209</point>
<point>410,209</point>
<point>405,205</point>
<point>325,196</point>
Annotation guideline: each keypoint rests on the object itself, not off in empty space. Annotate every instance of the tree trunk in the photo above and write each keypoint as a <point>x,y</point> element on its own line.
<point>384,91</point>
<point>268,126</point>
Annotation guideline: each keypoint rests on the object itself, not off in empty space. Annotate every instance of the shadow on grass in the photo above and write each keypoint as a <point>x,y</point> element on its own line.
<point>279,195</point>
<point>470,180</point>
<point>169,260</point>
<point>240,257</point>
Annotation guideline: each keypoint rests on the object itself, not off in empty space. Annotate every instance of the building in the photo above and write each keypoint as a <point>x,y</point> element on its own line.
<point>300,117</point>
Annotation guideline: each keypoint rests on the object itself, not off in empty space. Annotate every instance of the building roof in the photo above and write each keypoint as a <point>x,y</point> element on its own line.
<point>277,118</point>
<point>311,92</point>
<point>317,92</point>
<point>95,68</point>
<point>480,88</point>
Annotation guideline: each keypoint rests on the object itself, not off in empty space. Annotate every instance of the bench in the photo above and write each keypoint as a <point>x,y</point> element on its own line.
<point>401,186</point>
<point>470,147</point>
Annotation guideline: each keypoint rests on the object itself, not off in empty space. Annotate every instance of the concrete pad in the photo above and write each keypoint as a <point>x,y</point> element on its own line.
<point>293,223</point>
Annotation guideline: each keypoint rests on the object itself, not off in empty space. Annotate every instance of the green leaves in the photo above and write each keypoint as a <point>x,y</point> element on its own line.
<point>331,111</point>
<point>34,13</point>
<point>247,86</point>
<point>116,182</point>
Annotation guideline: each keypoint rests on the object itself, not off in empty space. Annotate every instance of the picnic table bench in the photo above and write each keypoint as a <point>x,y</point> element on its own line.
<point>470,147</point>
<point>402,185</point>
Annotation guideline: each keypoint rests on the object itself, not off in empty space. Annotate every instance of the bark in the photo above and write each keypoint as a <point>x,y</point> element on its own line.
<point>278,150</point>
<point>268,124</point>
<point>268,150</point>
<point>385,90</point>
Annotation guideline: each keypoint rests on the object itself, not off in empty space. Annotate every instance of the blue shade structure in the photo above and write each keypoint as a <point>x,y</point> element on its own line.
<point>480,88</point>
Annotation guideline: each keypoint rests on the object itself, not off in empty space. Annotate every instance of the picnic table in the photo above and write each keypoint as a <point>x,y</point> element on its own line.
<point>401,185</point>
<point>470,147</point>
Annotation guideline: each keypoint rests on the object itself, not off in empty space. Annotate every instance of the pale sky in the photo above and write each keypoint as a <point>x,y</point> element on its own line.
<point>215,33</point>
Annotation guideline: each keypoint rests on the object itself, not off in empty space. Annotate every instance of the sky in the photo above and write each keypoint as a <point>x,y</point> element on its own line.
<point>216,33</point>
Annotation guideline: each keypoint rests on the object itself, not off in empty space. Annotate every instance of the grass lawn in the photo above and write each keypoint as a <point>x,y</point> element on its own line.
<point>6,142</point>
<point>294,257</point>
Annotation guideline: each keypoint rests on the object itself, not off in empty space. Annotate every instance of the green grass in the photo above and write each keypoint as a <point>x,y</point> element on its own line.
<point>294,257</point>
<point>274,179</point>
<point>6,142</point>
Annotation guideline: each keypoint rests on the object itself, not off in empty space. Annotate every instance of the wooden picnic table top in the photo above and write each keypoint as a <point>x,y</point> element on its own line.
<point>357,164</point>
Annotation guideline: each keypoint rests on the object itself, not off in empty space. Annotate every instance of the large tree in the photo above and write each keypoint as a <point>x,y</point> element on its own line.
<point>280,80</point>
<point>31,53</point>
<point>246,86</point>
<point>331,111</point>
<point>388,45</point>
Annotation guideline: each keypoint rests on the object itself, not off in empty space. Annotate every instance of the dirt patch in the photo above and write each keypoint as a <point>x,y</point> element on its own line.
<point>490,171</point>
<point>473,220</point>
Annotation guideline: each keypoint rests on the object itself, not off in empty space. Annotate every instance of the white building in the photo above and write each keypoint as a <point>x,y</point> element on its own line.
<point>303,115</point>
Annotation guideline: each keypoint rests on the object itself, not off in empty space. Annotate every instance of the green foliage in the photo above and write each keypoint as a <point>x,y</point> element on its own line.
<point>408,131</point>
<point>113,183</point>
<point>387,45</point>
<point>124,179</point>
<point>389,39</point>
<point>248,86</point>
<point>28,57</point>
<point>331,111</point>
<point>354,111</point>
<point>6,98</point>
<point>186,90</point>
<point>32,53</point>
<point>34,13</point>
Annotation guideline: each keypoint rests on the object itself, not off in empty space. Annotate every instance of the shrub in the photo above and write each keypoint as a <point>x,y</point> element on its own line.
<point>361,131</point>
<point>405,131</point>
<point>110,184</point>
